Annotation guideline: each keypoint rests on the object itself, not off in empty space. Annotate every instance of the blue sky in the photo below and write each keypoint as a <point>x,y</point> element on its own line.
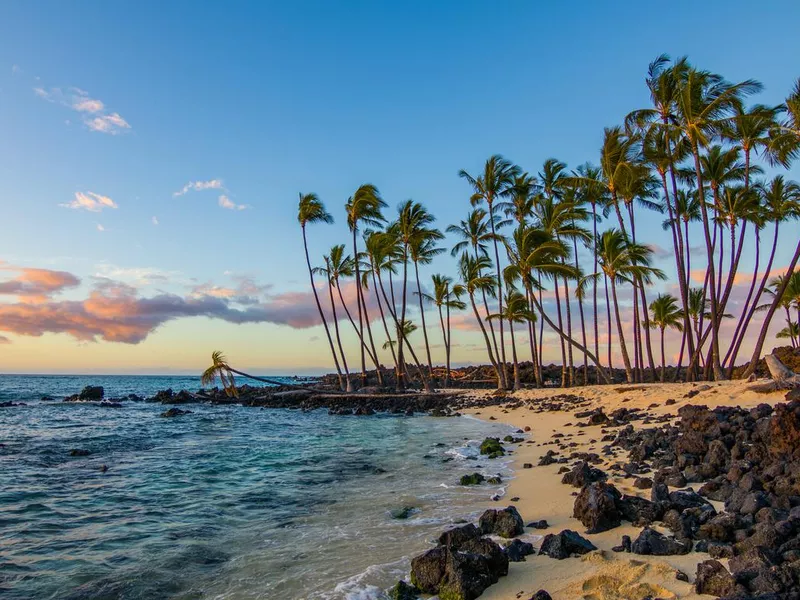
<point>273,99</point>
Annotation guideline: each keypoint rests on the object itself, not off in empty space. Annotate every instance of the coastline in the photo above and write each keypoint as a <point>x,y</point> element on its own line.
<point>601,574</point>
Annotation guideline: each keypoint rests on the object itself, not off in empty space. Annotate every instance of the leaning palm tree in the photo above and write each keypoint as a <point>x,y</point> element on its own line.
<point>423,250</point>
<point>665,314</point>
<point>331,277</point>
<point>494,183</point>
<point>625,262</point>
<point>311,210</point>
<point>220,368</point>
<point>364,206</point>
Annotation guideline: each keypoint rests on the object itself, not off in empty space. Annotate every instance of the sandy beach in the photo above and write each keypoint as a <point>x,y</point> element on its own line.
<point>602,574</point>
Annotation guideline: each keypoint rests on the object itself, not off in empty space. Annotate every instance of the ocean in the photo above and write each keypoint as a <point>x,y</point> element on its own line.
<point>228,502</point>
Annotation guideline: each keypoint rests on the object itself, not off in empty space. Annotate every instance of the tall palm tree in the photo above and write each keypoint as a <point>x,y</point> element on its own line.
<point>623,261</point>
<point>665,314</point>
<point>497,177</point>
<point>705,104</point>
<point>750,130</point>
<point>378,246</point>
<point>364,206</point>
<point>516,310</point>
<point>423,250</point>
<point>785,143</point>
<point>331,277</point>
<point>475,233</point>
<point>312,210</point>
<point>790,332</point>
<point>445,296</point>
<point>470,271</point>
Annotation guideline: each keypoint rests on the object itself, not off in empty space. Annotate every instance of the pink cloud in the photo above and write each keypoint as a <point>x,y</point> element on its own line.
<point>35,285</point>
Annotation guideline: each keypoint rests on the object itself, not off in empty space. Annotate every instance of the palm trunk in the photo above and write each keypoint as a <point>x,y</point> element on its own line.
<point>383,317</point>
<point>648,343</point>
<point>445,333</point>
<point>502,355</point>
<point>500,385</point>
<point>360,315</point>
<point>349,384</point>
<point>532,339</point>
<point>401,322</point>
<point>594,288</point>
<point>571,370</point>
<point>488,312</point>
<point>663,358</point>
<point>561,327</point>
<point>517,384</point>
<point>319,309</point>
<point>715,357</point>
<point>401,366</point>
<point>623,349</point>
<point>352,322</point>
<point>768,319</point>
<point>378,373</point>
<point>608,324</point>
<point>422,316</point>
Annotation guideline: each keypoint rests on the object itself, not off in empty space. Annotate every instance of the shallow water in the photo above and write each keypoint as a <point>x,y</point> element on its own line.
<point>228,502</point>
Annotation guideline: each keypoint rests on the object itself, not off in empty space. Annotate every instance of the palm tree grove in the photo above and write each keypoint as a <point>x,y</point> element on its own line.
<point>696,160</point>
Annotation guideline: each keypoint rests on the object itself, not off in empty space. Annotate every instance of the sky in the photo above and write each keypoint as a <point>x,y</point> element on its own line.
<point>152,154</point>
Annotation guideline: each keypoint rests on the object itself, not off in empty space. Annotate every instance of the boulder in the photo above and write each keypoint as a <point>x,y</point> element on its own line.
<point>455,537</point>
<point>650,542</point>
<point>564,544</point>
<point>492,447</point>
<point>541,595</point>
<point>506,522</point>
<point>596,507</point>
<point>517,550</point>
<point>639,511</point>
<point>91,392</point>
<point>473,479</point>
<point>175,412</point>
<point>713,579</point>
<point>428,569</point>
<point>582,474</point>
<point>402,591</point>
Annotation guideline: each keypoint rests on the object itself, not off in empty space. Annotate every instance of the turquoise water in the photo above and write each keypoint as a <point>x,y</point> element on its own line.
<point>228,502</point>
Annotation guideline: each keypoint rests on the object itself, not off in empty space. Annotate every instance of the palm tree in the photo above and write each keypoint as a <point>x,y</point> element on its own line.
<point>790,332</point>
<point>623,261</point>
<point>422,250</point>
<point>665,313</point>
<point>497,177</point>
<point>704,104</point>
<point>364,206</point>
<point>445,296</point>
<point>470,271</point>
<point>785,143</point>
<point>378,246</point>
<point>516,310</point>
<point>750,129</point>
<point>220,368</point>
<point>475,233</point>
<point>311,210</point>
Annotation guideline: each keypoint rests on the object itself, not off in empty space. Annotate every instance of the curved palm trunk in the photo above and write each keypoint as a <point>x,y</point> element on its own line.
<point>349,385</point>
<point>645,312</point>
<point>502,355</point>
<point>608,324</point>
<point>517,384</point>
<point>571,370</point>
<point>374,353</point>
<point>623,349</point>
<point>446,345</point>
<point>422,315</point>
<point>500,385</point>
<point>532,339</point>
<point>561,327</point>
<point>400,334</point>
<point>383,318</point>
<point>541,328</point>
<point>568,339</point>
<point>715,356</point>
<point>321,314</point>
<point>352,322</point>
<point>594,289</point>
<point>449,340</point>
<point>360,315</point>
<point>752,309</point>
<point>768,319</point>
<point>275,381</point>
<point>486,308</point>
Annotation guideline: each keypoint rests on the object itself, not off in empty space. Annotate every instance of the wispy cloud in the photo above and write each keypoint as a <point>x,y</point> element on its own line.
<point>15,69</point>
<point>4,340</point>
<point>93,111</point>
<point>100,227</point>
<point>226,202</point>
<point>199,186</point>
<point>90,201</point>
<point>136,276</point>
<point>155,220</point>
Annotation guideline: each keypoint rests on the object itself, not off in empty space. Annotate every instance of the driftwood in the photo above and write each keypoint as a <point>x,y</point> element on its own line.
<point>783,377</point>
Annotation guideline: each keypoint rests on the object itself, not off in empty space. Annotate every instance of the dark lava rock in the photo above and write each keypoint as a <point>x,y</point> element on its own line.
<point>517,550</point>
<point>402,591</point>
<point>564,544</point>
<point>541,595</point>
<point>110,405</point>
<point>542,524</point>
<point>363,411</point>
<point>473,479</point>
<point>650,542</point>
<point>92,392</point>
<point>624,545</point>
<point>506,522</point>
<point>492,447</point>
<point>527,466</point>
<point>596,507</point>
<point>643,483</point>
<point>582,474</point>
<point>79,452</point>
<point>712,578</point>
<point>454,538</point>
<point>403,513</point>
<point>175,412</point>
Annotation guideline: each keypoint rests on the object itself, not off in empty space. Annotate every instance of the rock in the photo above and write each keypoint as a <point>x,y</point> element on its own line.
<point>542,524</point>
<point>643,483</point>
<point>624,545</point>
<point>455,537</point>
<point>402,591</point>
<point>582,474</point>
<point>541,595</point>
<point>473,479</point>
<point>492,447</point>
<point>427,569</point>
<point>506,522</point>
<point>91,392</point>
<point>564,544</point>
<point>403,513</point>
<point>596,507</point>
<point>494,480</point>
<point>110,405</point>
<point>713,579</point>
<point>639,511</point>
<point>175,412</point>
<point>783,376</point>
<point>362,411</point>
<point>650,542</point>
<point>527,466</point>
<point>79,452</point>
<point>517,550</point>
